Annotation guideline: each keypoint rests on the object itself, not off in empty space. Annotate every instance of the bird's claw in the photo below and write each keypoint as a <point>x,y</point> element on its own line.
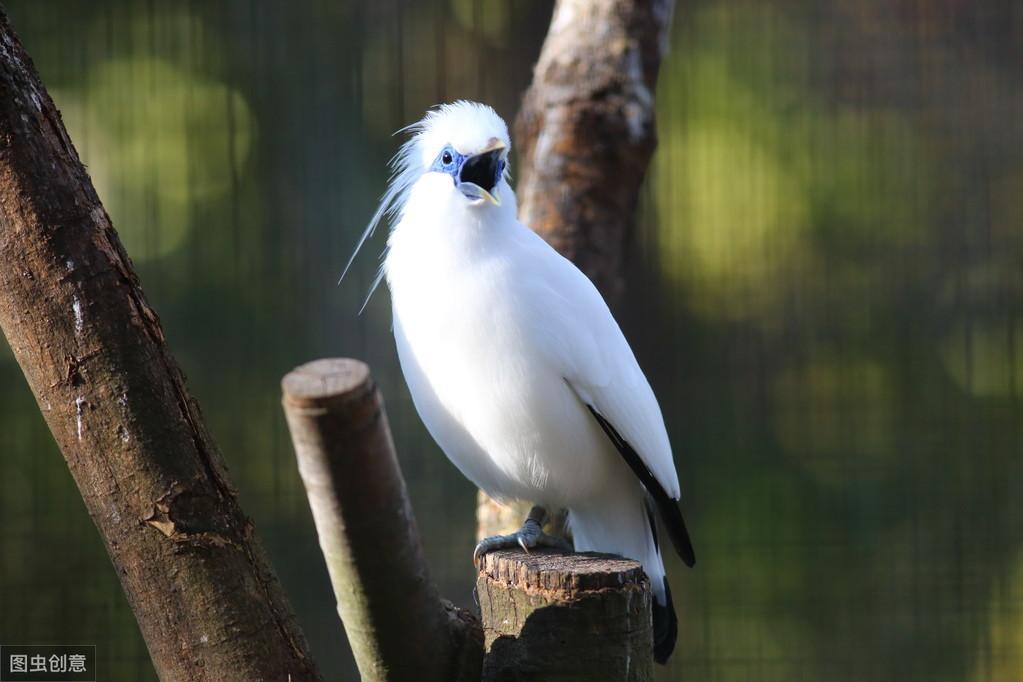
<point>528,537</point>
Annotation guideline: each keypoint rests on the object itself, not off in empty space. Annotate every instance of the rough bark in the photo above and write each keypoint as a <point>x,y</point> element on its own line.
<point>585,131</point>
<point>565,617</point>
<point>397,625</point>
<point>585,135</point>
<point>94,355</point>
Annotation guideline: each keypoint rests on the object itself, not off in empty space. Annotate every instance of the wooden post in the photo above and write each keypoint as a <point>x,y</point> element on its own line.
<point>397,625</point>
<point>93,352</point>
<point>549,615</point>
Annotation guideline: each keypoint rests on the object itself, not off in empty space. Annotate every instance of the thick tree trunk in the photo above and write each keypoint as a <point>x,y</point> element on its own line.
<point>397,625</point>
<point>585,135</point>
<point>93,352</point>
<point>564,617</point>
<point>585,132</point>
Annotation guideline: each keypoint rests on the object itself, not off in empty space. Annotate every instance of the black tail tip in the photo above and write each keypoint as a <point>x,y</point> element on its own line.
<point>665,627</point>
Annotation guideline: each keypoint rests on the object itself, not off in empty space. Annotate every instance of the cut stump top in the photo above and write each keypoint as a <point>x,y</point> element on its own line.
<point>323,381</point>
<point>559,573</point>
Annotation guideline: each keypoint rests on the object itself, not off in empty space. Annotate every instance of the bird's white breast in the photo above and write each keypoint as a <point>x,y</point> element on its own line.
<point>474,336</point>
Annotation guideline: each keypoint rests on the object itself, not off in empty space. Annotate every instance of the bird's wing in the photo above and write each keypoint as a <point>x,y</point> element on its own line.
<point>585,342</point>
<point>598,363</point>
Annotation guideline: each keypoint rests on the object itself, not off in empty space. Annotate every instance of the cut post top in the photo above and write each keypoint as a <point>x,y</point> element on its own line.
<point>563,573</point>
<point>319,382</point>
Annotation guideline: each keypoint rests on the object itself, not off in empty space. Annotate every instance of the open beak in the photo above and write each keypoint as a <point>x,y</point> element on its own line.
<point>480,174</point>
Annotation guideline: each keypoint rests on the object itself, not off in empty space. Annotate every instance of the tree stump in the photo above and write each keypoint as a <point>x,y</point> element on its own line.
<point>550,615</point>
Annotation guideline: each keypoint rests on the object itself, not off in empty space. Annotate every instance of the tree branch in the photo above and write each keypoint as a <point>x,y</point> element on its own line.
<point>397,625</point>
<point>93,352</point>
<point>585,132</point>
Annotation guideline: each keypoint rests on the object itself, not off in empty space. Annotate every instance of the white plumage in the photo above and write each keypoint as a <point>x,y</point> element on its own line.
<point>506,346</point>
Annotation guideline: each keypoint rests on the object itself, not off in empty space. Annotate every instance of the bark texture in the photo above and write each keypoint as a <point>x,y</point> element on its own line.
<point>397,625</point>
<point>94,355</point>
<point>565,617</point>
<point>585,132</point>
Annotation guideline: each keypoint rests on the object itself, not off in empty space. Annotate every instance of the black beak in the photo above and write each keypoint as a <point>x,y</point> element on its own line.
<point>483,170</point>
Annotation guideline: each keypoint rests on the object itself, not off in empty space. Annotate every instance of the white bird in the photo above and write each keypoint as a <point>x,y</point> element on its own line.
<point>514,362</point>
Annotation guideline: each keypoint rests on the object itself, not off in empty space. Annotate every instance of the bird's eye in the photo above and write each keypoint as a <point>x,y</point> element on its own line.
<point>446,158</point>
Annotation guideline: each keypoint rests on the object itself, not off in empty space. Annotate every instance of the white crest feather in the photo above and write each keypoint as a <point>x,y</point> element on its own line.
<point>405,171</point>
<point>439,126</point>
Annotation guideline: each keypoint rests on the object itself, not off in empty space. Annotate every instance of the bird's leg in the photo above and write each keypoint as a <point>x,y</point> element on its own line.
<point>529,536</point>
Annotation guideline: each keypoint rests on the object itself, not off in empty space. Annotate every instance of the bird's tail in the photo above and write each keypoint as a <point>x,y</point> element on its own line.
<point>624,524</point>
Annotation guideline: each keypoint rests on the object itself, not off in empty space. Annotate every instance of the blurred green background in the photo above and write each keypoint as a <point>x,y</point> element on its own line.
<point>826,294</point>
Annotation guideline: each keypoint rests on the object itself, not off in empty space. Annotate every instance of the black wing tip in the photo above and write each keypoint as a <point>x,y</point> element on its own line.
<point>666,506</point>
<point>665,627</point>
<point>687,555</point>
<point>683,544</point>
<point>677,531</point>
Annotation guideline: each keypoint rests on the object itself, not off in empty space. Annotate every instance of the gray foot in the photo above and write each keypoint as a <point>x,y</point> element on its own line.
<point>529,536</point>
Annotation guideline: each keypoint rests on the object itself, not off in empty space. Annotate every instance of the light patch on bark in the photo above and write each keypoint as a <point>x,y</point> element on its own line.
<point>122,429</point>
<point>76,307</point>
<point>79,411</point>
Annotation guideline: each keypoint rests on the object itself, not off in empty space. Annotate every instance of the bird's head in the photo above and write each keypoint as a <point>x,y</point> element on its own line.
<point>457,158</point>
<point>467,144</point>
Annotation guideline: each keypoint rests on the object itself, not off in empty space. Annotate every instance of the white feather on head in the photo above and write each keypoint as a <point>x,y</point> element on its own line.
<point>466,126</point>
